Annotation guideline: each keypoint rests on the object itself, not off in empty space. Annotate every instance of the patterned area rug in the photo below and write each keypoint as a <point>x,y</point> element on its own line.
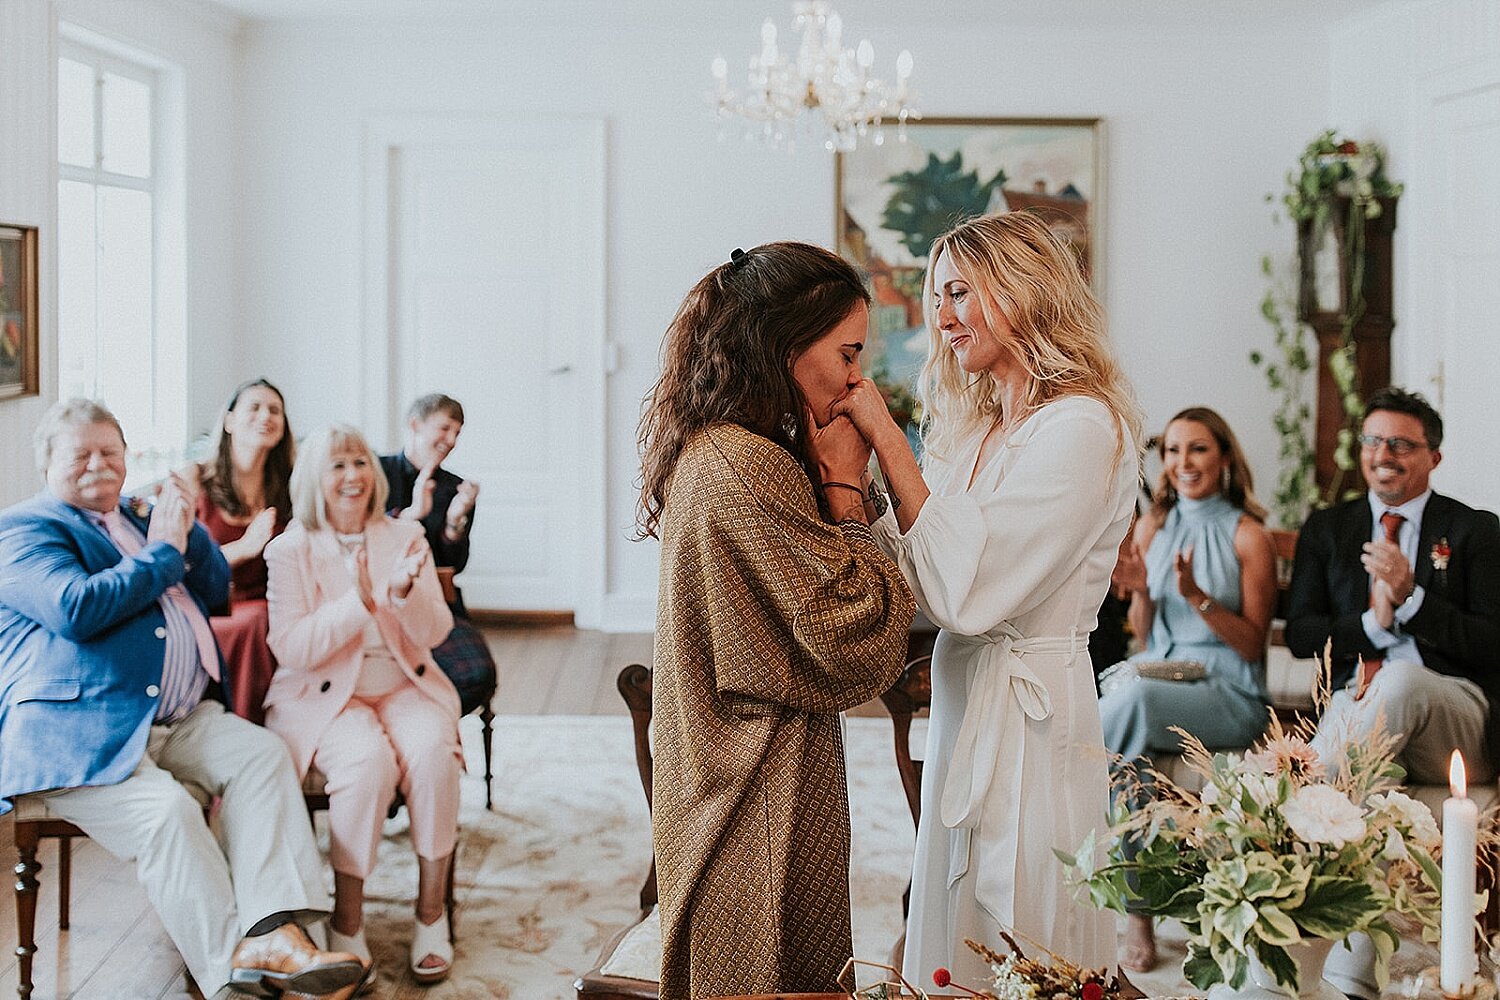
<point>555,870</point>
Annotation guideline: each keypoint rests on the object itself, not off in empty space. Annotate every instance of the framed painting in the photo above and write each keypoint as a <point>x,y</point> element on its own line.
<point>19,340</point>
<point>895,198</point>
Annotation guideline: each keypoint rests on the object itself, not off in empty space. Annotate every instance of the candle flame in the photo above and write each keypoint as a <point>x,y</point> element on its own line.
<point>1458,782</point>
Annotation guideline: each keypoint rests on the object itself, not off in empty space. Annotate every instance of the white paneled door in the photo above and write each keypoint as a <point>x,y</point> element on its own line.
<point>489,243</point>
<point>1467,292</point>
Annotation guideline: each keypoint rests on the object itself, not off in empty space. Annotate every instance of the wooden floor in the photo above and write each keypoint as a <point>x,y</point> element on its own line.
<point>116,948</point>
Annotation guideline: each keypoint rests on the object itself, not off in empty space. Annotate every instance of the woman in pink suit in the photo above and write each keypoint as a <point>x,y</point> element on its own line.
<point>355,611</point>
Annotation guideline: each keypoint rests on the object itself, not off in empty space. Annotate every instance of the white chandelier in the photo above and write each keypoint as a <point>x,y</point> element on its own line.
<point>825,94</point>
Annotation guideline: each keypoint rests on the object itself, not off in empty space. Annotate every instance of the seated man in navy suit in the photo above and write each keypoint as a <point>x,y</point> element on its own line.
<point>1406,583</point>
<point>107,677</point>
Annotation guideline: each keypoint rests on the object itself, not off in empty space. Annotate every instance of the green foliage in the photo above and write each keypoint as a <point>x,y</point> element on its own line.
<point>1329,169</point>
<point>926,203</point>
<point>1273,853</point>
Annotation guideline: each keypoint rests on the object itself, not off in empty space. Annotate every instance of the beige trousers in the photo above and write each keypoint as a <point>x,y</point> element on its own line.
<point>1431,715</point>
<point>208,886</point>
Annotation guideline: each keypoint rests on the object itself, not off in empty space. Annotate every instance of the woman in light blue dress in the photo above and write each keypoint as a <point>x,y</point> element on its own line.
<point>1201,572</point>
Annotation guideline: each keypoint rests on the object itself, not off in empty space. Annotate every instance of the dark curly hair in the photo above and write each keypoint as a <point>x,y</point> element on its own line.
<point>1413,404</point>
<point>728,355</point>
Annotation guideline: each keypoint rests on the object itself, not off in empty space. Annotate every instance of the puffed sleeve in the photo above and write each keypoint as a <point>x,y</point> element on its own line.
<point>975,559</point>
<point>811,615</point>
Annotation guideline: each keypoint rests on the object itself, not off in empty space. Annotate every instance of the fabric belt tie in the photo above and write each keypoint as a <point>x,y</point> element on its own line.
<point>989,733</point>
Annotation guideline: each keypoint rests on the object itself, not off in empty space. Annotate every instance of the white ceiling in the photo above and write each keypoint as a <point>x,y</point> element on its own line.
<point>1304,14</point>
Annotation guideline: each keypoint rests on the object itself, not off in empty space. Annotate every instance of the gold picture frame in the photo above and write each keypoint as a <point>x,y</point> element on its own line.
<point>20,341</point>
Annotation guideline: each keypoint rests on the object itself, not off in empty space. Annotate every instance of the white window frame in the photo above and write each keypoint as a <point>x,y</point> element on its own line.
<point>157,448</point>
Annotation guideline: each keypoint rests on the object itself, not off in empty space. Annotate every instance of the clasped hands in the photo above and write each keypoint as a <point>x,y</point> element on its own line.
<point>1391,579</point>
<point>403,575</point>
<point>842,446</point>
<point>172,516</point>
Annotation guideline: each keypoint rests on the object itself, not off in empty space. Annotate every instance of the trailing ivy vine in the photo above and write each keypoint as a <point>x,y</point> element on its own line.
<point>1329,170</point>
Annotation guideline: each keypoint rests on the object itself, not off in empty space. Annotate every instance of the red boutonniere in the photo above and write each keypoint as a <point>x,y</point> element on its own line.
<point>1440,554</point>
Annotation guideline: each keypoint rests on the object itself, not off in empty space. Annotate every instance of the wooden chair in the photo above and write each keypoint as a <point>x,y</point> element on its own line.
<point>486,709</point>
<point>34,822</point>
<point>909,694</point>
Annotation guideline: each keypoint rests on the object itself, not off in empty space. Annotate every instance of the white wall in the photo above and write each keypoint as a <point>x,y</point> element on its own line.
<point>1201,123</point>
<point>1393,70</point>
<point>28,196</point>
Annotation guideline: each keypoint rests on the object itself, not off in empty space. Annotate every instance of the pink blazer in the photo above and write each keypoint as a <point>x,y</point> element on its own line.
<point>317,627</point>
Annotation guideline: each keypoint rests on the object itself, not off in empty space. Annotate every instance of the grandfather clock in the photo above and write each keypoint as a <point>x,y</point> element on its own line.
<point>1325,298</point>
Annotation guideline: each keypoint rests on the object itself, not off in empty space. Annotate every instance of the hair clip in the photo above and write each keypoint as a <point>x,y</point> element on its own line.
<point>736,257</point>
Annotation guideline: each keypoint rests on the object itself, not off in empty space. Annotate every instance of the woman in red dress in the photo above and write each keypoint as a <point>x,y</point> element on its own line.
<point>244,503</point>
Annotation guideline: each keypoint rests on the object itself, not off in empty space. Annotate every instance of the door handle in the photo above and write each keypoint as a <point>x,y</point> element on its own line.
<point>560,370</point>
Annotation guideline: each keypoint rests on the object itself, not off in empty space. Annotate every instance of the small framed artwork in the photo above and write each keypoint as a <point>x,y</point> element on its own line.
<point>19,340</point>
<point>894,199</point>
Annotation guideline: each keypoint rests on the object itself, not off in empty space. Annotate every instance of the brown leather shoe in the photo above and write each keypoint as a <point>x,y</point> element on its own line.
<point>343,993</point>
<point>285,960</point>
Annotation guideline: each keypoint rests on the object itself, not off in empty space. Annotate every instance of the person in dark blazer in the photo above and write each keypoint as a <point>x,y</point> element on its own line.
<point>1406,584</point>
<point>422,490</point>
<point>108,678</point>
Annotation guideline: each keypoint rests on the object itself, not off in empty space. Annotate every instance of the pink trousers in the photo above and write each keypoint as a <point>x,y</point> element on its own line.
<point>403,740</point>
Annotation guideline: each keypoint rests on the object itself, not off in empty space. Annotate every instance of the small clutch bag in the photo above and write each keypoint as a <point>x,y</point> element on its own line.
<point>1127,671</point>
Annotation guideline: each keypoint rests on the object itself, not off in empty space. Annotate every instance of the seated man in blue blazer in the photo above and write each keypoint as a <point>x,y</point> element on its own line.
<point>107,671</point>
<point>1406,584</point>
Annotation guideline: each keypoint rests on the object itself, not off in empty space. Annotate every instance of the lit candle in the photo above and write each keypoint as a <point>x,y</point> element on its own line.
<point>1460,832</point>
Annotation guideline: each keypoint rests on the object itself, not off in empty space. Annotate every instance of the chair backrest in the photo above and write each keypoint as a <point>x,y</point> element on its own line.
<point>445,575</point>
<point>1285,544</point>
<point>634,684</point>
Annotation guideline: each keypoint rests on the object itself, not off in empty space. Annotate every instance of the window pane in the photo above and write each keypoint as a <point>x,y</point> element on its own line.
<point>75,113</point>
<point>76,300</point>
<point>127,126</point>
<point>125,354</point>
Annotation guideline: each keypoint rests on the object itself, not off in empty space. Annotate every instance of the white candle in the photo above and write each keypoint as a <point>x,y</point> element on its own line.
<point>1460,832</point>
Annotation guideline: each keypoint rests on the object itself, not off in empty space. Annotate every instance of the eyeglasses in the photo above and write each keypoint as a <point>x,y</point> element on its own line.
<point>1398,446</point>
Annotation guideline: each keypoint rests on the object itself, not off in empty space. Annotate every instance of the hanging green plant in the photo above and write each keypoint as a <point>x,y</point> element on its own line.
<point>1332,174</point>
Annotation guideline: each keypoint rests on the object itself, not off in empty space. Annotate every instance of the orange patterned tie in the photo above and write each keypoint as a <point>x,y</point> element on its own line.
<point>1391,522</point>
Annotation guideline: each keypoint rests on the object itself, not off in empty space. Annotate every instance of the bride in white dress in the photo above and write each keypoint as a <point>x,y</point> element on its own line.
<point>1007,537</point>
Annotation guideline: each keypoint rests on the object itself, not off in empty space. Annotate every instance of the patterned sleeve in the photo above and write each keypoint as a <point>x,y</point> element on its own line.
<point>818,617</point>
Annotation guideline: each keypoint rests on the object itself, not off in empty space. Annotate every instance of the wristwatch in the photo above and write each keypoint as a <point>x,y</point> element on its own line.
<point>1205,605</point>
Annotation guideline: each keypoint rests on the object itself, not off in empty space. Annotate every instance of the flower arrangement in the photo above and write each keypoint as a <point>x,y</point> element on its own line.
<point>1015,977</point>
<point>1273,852</point>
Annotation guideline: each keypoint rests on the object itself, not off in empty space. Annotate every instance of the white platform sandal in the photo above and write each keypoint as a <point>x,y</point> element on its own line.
<point>356,945</point>
<point>431,941</point>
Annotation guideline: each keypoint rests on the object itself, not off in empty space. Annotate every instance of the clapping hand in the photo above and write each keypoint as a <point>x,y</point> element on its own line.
<point>462,506</point>
<point>362,578</point>
<point>1187,585</point>
<point>421,493</point>
<point>172,517</point>
<point>258,531</point>
<point>1386,563</point>
<point>1129,573</point>
<point>408,566</point>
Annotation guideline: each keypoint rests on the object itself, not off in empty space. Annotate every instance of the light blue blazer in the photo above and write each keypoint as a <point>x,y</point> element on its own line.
<point>82,640</point>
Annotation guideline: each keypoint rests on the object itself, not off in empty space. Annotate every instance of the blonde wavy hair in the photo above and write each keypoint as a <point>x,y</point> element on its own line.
<point>1020,270</point>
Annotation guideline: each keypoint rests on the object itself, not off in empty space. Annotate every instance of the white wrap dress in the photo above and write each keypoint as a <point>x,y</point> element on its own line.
<point>1012,569</point>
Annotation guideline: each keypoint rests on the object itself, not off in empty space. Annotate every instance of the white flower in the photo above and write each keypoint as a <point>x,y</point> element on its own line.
<point>1414,814</point>
<point>1321,814</point>
<point>1395,847</point>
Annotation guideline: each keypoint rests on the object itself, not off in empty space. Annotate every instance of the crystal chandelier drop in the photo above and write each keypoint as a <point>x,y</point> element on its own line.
<point>825,94</point>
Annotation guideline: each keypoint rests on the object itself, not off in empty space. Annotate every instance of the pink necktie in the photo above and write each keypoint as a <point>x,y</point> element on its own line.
<point>203,633</point>
<point>1391,522</point>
